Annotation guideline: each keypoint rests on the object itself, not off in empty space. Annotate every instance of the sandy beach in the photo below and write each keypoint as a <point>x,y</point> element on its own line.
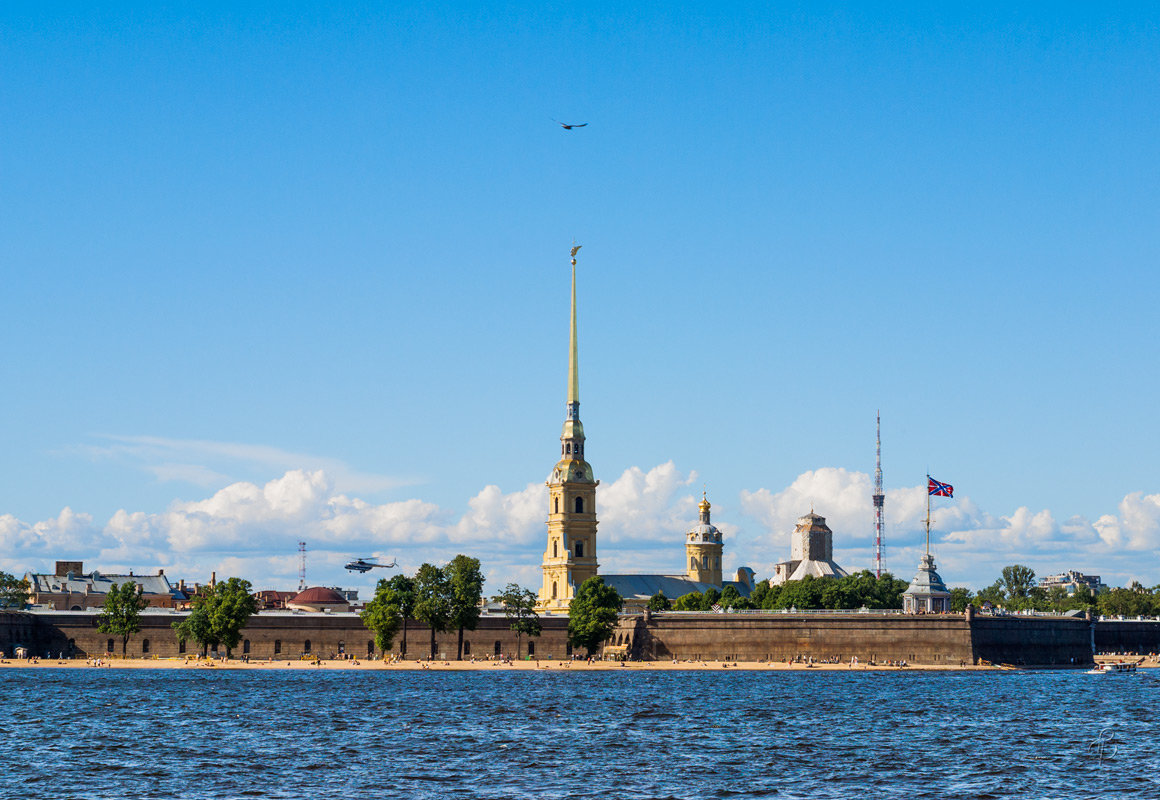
<point>494,666</point>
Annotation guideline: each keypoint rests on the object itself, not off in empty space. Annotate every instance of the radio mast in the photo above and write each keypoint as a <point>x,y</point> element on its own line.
<point>879,499</point>
<point>302,566</point>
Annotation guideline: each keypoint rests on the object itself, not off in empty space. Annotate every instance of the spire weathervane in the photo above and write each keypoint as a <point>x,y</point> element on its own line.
<point>573,356</point>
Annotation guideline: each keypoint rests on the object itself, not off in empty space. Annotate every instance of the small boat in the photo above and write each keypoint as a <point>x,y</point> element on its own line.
<point>1114,668</point>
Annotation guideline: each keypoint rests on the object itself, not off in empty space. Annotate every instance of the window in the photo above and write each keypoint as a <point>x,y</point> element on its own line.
<point>693,562</point>
<point>144,646</point>
<point>498,648</point>
<point>553,593</point>
<point>568,448</point>
<point>245,646</point>
<point>555,552</point>
<point>306,646</point>
<point>531,648</point>
<point>579,505</point>
<point>467,648</point>
<point>704,562</point>
<point>277,646</point>
<point>556,507</point>
<point>579,549</point>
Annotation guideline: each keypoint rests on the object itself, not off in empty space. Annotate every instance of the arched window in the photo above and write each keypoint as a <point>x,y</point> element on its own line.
<point>245,646</point>
<point>556,507</point>
<point>277,646</point>
<point>705,562</point>
<point>553,594</point>
<point>579,505</point>
<point>693,562</point>
<point>144,646</point>
<point>306,646</point>
<point>568,448</point>
<point>555,550</point>
<point>579,549</point>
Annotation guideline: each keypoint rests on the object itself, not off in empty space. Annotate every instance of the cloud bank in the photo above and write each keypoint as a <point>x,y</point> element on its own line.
<point>252,530</point>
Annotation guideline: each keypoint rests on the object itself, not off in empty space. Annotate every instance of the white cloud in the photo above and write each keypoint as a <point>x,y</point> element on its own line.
<point>253,530</point>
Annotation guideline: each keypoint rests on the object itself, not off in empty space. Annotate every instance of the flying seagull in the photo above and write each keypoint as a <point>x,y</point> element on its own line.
<point>568,127</point>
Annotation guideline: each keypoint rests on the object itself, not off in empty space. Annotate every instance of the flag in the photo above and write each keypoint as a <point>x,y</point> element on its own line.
<point>939,489</point>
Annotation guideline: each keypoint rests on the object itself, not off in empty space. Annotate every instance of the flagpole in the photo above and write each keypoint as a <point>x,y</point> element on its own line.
<point>928,514</point>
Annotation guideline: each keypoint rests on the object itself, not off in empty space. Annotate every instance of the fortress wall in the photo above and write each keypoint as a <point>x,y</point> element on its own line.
<point>17,629</point>
<point>1128,636</point>
<point>1038,641</point>
<point>277,636</point>
<point>775,636</point>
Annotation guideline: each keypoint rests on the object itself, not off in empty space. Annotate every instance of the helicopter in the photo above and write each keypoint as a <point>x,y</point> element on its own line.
<point>362,565</point>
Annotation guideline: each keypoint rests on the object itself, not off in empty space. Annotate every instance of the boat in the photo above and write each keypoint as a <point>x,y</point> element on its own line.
<point>1114,668</point>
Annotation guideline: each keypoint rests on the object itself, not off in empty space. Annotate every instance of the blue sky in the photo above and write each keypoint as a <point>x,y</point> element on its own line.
<point>257,260</point>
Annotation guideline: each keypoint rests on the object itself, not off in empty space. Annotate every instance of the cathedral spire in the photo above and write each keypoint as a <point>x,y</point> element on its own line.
<point>573,355</point>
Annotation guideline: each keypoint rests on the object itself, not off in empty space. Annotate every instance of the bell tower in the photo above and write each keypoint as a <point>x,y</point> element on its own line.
<point>703,548</point>
<point>570,558</point>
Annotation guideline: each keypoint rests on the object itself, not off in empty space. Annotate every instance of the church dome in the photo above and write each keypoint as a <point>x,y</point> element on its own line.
<point>318,598</point>
<point>703,533</point>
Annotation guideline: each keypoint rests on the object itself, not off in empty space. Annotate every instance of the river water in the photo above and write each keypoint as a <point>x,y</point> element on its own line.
<point>631,734</point>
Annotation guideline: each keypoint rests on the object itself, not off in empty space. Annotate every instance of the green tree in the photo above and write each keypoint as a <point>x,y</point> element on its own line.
<point>404,589</point>
<point>710,599</point>
<point>1126,602</point>
<point>382,614</point>
<point>688,602</point>
<point>14,592</point>
<point>1017,582</point>
<point>519,606</point>
<point>592,614</point>
<point>432,600</point>
<point>757,596</point>
<point>465,582</point>
<point>993,594</point>
<point>961,597</point>
<point>730,596</point>
<point>803,594</point>
<point>1084,598</point>
<point>121,613</point>
<point>219,613</point>
<point>772,597</point>
<point>658,602</point>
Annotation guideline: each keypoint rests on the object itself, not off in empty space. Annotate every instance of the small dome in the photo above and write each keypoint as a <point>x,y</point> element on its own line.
<point>317,598</point>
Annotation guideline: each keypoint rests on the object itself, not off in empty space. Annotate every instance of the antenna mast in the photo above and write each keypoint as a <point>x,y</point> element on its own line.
<point>879,499</point>
<point>302,566</point>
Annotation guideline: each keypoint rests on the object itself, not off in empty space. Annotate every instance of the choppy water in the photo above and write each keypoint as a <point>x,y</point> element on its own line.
<point>144,733</point>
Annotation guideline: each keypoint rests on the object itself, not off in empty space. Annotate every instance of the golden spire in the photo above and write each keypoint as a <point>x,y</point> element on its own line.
<point>573,357</point>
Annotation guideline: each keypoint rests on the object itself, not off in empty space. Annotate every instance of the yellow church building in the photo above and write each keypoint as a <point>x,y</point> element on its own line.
<point>570,555</point>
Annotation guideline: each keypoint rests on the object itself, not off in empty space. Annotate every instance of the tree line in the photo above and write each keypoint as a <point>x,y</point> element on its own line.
<point>1016,590</point>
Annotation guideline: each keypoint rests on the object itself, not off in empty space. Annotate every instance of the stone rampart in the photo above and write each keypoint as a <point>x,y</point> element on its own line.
<point>778,636</point>
<point>1127,636</point>
<point>279,635</point>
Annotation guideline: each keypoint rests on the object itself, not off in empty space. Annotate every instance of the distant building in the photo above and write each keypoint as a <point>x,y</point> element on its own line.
<point>811,552</point>
<point>1072,580</point>
<point>69,589</point>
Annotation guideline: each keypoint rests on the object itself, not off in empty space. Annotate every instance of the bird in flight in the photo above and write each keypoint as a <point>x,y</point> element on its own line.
<point>568,127</point>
